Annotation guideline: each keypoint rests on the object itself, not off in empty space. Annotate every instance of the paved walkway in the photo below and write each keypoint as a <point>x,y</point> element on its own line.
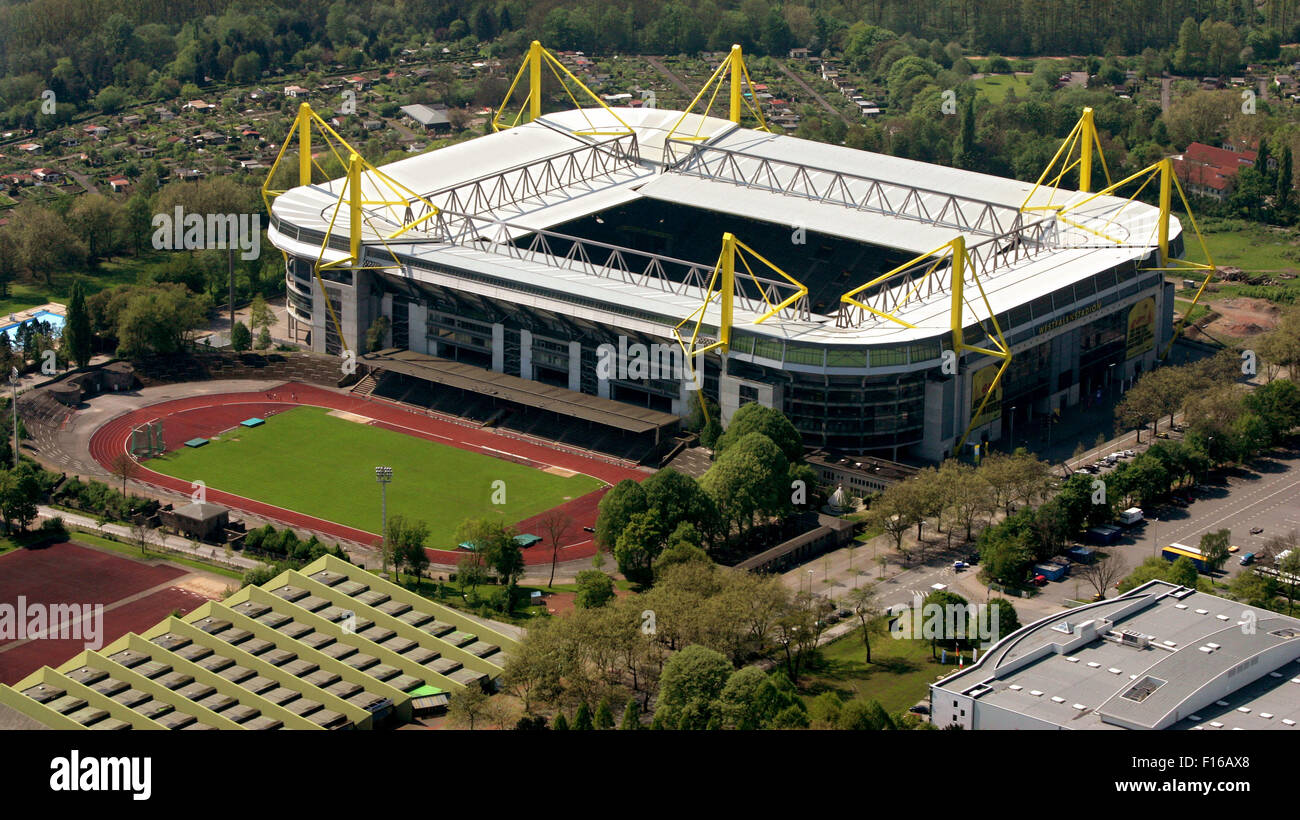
<point>168,543</point>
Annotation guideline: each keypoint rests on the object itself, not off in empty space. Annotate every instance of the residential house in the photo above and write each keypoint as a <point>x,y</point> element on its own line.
<point>295,91</point>
<point>48,175</point>
<point>428,117</point>
<point>119,184</point>
<point>1207,171</point>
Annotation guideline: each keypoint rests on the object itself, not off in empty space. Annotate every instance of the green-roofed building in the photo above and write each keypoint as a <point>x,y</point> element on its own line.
<point>330,646</point>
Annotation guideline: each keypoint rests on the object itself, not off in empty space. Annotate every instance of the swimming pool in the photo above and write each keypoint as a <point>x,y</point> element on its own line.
<point>54,320</point>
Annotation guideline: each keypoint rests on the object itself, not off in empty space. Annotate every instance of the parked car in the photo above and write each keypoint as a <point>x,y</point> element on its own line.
<point>959,565</point>
<point>588,529</point>
<point>1256,530</point>
<point>1248,559</point>
<point>1040,580</point>
<point>1233,548</point>
<point>920,709</point>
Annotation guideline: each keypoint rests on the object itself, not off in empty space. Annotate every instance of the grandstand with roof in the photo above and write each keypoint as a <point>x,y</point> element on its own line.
<point>330,646</point>
<point>813,278</point>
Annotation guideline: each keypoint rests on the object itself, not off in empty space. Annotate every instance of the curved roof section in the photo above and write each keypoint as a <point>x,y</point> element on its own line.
<point>521,181</point>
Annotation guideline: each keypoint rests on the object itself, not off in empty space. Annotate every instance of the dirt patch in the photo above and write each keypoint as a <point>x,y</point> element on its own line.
<point>560,471</point>
<point>209,588</point>
<point>1243,317</point>
<point>346,416</point>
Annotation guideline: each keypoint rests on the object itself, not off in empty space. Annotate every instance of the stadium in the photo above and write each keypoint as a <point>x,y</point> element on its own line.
<point>888,307</point>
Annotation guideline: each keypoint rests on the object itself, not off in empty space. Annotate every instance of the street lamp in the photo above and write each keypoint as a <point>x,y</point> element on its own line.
<point>13,380</point>
<point>811,573</point>
<point>1013,428</point>
<point>384,475</point>
<point>1110,379</point>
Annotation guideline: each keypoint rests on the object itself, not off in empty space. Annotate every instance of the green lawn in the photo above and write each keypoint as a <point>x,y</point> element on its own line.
<point>308,461</point>
<point>994,87</point>
<point>899,676</point>
<point>1244,245</point>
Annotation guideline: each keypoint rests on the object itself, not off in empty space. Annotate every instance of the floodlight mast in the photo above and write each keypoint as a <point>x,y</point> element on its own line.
<point>384,475</point>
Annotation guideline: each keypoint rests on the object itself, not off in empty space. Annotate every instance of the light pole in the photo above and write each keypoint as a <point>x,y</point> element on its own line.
<point>811,573</point>
<point>1110,378</point>
<point>13,380</point>
<point>384,475</point>
<point>1013,428</point>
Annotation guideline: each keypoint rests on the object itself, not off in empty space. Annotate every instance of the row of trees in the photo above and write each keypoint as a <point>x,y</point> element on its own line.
<point>754,478</point>
<point>958,497</point>
<point>621,648</point>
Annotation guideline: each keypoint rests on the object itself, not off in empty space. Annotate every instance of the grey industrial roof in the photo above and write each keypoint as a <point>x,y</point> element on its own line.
<point>1085,687</point>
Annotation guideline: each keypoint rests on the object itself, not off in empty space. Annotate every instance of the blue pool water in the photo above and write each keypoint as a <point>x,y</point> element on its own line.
<point>54,320</point>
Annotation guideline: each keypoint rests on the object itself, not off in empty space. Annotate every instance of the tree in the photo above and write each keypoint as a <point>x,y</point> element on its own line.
<point>44,241</point>
<point>595,589</point>
<point>260,314</point>
<point>377,333</point>
<point>241,338</point>
<point>1183,572</point>
<point>555,523</point>
<point>616,509</point>
<point>631,716</point>
<point>468,706</point>
<point>1103,573</point>
<point>19,492</point>
<point>675,498</point>
<point>140,532</point>
<point>1214,547</point>
<point>405,541</point>
<point>757,418</point>
<point>470,573</point>
<point>862,602</point>
<point>1008,620</point>
<point>76,330</point>
<point>637,548</point>
<point>495,542</point>
<point>101,224</point>
<point>157,319</point>
<point>125,467</point>
<point>1006,552</point>
<point>749,479</point>
<point>689,688</point>
<point>864,715</point>
<point>582,719</point>
<point>604,718</point>
<point>893,512</point>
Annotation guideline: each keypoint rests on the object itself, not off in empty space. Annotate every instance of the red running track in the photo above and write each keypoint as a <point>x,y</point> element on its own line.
<point>205,416</point>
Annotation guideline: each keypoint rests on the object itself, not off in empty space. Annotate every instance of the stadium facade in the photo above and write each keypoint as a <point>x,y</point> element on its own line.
<point>524,251</point>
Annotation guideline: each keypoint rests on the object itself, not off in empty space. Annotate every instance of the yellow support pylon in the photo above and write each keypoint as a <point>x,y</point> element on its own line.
<point>732,67</point>
<point>537,59</point>
<point>1085,136</point>
<point>398,201</point>
<point>722,286</point>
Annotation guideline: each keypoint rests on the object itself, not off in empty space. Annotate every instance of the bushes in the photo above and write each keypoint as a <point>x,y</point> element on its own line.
<point>285,546</point>
<point>101,500</point>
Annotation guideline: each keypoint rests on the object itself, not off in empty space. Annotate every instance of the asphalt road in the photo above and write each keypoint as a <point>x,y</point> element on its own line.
<point>1264,494</point>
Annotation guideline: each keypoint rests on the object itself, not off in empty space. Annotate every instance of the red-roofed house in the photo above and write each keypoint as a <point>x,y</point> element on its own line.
<point>47,174</point>
<point>118,184</point>
<point>1209,171</point>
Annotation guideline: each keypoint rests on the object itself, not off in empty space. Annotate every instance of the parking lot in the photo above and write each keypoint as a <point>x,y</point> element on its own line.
<point>1264,494</point>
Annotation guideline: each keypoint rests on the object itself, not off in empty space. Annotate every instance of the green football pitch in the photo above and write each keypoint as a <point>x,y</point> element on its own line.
<point>324,466</point>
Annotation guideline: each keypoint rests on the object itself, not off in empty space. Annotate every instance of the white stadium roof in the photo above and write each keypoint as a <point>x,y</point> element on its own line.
<point>872,198</point>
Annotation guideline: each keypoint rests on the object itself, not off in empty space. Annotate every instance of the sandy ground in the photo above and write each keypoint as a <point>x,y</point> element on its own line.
<point>1243,317</point>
